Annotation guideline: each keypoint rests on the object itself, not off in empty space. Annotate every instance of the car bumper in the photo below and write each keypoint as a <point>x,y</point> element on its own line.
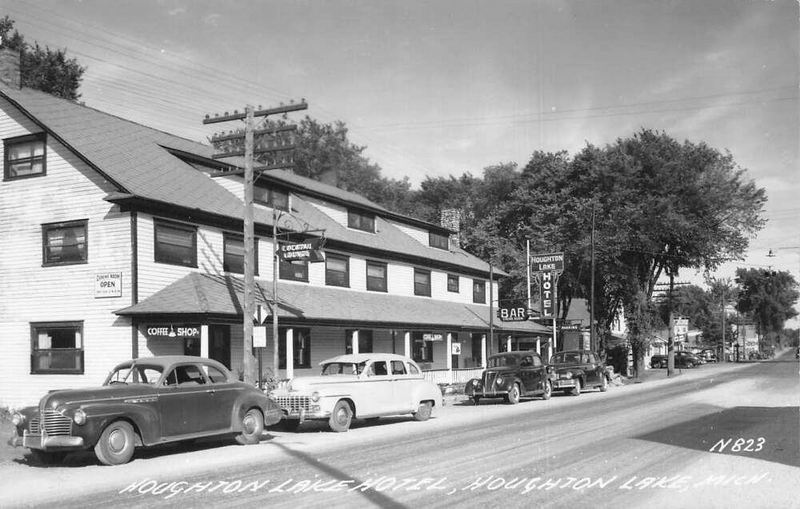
<point>46,443</point>
<point>303,414</point>
<point>563,384</point>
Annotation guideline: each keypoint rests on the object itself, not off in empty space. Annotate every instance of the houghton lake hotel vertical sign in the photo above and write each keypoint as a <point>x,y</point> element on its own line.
<point>108,284</point>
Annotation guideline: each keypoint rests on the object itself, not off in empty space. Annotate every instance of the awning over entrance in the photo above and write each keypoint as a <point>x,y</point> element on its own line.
<point>222,295</point>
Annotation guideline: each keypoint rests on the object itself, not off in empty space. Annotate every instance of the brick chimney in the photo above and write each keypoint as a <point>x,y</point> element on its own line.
<point>9,67</point>
<point>451,219</point>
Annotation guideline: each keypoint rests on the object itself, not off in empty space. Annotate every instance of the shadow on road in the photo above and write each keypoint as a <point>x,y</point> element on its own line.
<point>755,432</point>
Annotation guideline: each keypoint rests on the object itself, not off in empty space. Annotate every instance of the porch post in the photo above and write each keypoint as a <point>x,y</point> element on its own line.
<point>483,350</point>
<point>204,341</point>
<point>354,342</point>
<point>508,344</point>
<point>289,352</point>
<point>449,356</point>
<point>407,343</point>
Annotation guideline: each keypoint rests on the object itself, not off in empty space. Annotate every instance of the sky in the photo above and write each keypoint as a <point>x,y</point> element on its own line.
<point>444,87</point>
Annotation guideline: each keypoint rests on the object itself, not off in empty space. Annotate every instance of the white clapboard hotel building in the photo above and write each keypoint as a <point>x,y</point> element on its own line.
<point>124,241</point>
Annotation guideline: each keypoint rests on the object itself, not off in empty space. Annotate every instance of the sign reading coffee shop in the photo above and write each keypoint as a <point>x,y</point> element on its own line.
<point>171,331</point>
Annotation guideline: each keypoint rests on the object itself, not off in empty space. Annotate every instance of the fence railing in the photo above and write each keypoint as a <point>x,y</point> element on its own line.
<point>455,376</point>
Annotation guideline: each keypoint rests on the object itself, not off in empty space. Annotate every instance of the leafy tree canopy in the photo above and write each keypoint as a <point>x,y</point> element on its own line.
<point>43,68</point>
<point>768,297</point>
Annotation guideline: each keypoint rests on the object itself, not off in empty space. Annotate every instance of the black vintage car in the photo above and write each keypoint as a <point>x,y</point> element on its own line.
<point>576,370</point>
<point>145,401</point>
<point>682,360</point>
<point>511,376</point>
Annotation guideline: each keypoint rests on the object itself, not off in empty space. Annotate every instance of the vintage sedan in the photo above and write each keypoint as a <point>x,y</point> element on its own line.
<point>577,370</point>
<point>367,386</point>
<point>511,376</point>
<point>682,360</point>
<point>145,402</point>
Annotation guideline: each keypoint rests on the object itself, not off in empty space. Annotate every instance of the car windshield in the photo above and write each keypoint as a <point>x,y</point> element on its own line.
<point>503,360</point>
<point>343,368</point>
<point>566,358</point>
<point>135,374</point>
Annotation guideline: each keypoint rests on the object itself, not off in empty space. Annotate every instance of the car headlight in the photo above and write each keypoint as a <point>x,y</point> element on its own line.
<point>17,419</point>
<point>315,396</point>
<point>567,375</point>
<point>79,417</point>
<point>475,382</point>
<point>500,382</point>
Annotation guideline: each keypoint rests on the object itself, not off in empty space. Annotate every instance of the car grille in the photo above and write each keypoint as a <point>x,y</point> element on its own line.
<point>489,380</point>
<point>294,403</point>
<point>55,424</point>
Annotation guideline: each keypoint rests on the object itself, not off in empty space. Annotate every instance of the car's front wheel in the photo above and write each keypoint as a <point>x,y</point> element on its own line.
<point>548,390</point>
<point>603,383</point>
<point>423,413</point>
<point>576,391</point>
<point>116,444</point>
<point>252,427</point>
<point>513,395</point>
<point>341,417</point>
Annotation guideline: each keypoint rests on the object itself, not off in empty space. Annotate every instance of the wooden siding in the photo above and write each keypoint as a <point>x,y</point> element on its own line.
<point>33,293</point>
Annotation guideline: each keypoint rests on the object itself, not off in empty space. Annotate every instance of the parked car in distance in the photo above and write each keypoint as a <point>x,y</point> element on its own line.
<point>511,376</point>
<point>576,370</point>
<point>682,360</point>
<point>368,385</point>
<point>145,402</point>
<point>708,355</point>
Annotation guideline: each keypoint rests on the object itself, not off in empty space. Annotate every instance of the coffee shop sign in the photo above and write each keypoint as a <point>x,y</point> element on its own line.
<point>168,331</point>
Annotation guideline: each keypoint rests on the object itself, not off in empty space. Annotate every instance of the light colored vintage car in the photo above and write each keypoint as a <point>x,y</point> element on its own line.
<point>144,402</point>
<point>360,386</point>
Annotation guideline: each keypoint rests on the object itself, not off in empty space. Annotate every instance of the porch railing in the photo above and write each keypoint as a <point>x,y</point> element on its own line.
<point>455,376</point>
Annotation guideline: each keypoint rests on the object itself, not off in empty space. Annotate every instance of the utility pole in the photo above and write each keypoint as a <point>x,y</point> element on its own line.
<point>592,344</point>
<point>248,151</point>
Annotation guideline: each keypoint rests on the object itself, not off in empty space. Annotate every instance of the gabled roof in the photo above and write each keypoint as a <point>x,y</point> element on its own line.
<point>208,294</point>
<point>145,163</point>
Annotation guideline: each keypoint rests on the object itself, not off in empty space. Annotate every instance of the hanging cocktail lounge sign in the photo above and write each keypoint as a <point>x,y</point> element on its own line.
<point>310,251</point>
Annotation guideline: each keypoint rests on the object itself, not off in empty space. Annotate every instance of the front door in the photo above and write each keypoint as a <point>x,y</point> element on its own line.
<point>184,397</point>
<point>219,344</point>
<point>531,372</point>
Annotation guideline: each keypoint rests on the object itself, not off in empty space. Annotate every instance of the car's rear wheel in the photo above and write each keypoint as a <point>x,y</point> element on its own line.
<point>116,444</point>
<point>513,395</point>
<point>48,457</point>
<point>576,391</point>
<point>252,427</point>
<point>603,383</point>
<point>423,413</point>
<point>341,417</point>
<point>548,390</point>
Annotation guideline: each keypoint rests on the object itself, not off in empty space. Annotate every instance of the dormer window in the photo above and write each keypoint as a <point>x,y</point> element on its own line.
<point>25,156</point>
<point>438,240</point>
<point>271,198</point>
<point>361,221</point>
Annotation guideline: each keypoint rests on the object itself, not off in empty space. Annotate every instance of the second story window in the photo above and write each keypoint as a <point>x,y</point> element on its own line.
<point>293,270</point>
<point>271,198</point>
<point>337,271</point>
<point>422,282</point>
<point>25,156</point>
<point>438,240</point>
<point>452,283</point>
<point>361,221</point>
<point>479,292</point>
<point>64,243</point>
<point>233,254</point>
<point>376,277</point>
<point>175,244</point>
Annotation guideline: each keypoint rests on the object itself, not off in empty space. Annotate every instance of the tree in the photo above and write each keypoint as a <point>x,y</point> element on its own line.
<point>43,68</point>
<point>768,297</point>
